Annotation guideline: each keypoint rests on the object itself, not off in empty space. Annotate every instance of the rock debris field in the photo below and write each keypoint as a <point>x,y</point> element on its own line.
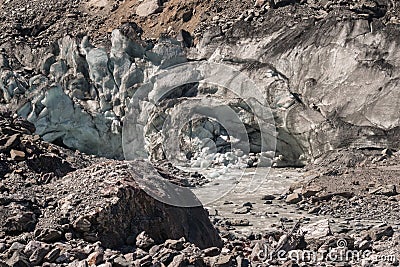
<point>199,133</point>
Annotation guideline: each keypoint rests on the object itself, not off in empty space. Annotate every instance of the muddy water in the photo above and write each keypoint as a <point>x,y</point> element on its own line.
<point>227,193</point>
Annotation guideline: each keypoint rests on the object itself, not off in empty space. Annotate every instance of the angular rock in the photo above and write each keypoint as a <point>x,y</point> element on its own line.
<point>282,3</point>
<point>3,247</point>
<point>48,235</point>
<point>121,262</point>
<point>82,224</point>
<point>118,202</point>
<point>224,261</point>
<point>179,261</point>
<point>364,245</point>
<point>175,244</point>
<point>310,191</point>
<point>293,198</point>
<point>316,231</point>
<point>259,3</point>
<point>385,190</point>
<point>147,8</point>
<point>16,246</point>
<point>166,256</point>
<point>17,155</point>
<point>18,260</point>
<point>242,210</point>
<point>211,252</point>
<point>240,222</point>
<point>39,254</point>
<point>144,241</point>
<point>145,261</point>
<point>247,204</point>
<point>268,197</point>
<point>11,142</point>
<point>52,255</point>
<point>95,258</point>
<point>32,246</point>
<point>377,233</point>
<point>314,210</point>
<point>387,152</point>
<point>21,222</point>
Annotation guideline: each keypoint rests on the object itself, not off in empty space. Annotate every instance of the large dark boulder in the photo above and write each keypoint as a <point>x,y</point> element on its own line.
<point>113,202</point>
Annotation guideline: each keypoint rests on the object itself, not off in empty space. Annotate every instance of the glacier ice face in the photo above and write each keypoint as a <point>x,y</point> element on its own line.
<point>334,86</point>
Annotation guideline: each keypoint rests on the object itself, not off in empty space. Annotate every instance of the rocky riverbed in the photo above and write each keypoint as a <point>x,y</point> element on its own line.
<point>92,211</point>
<point>199,133</point>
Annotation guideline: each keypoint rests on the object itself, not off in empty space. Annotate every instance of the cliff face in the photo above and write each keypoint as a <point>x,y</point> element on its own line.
<point>328,74</point>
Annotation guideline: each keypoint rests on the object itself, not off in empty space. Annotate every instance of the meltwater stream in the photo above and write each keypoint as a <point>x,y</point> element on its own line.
<point>229,191</point>
<point>226,194</point>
